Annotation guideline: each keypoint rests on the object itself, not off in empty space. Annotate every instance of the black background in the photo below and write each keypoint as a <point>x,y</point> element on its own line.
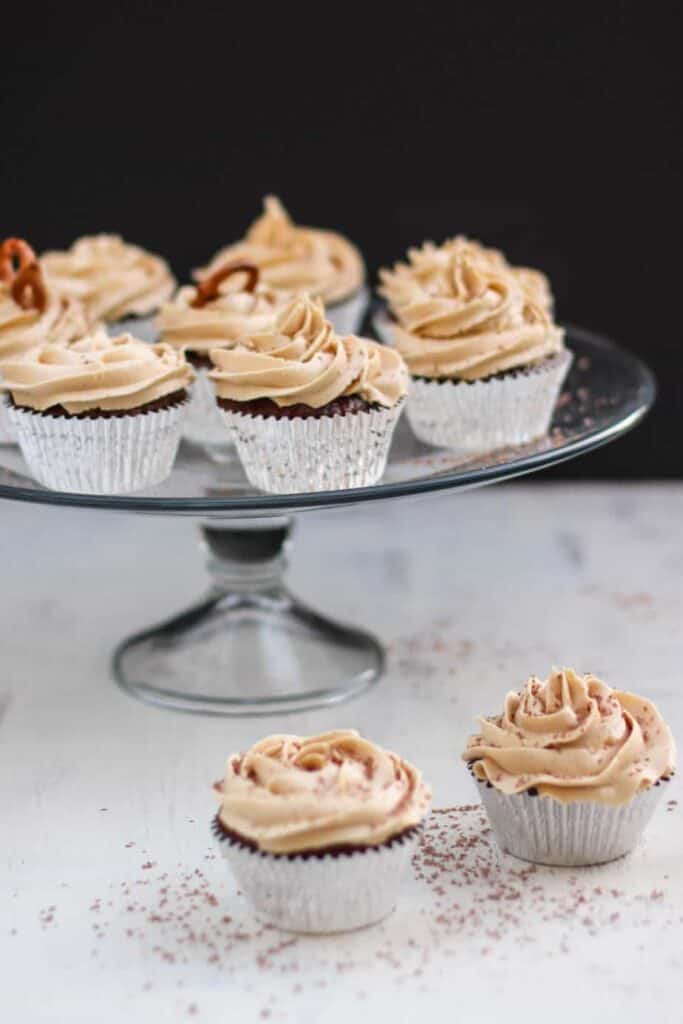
<point>167,123</point>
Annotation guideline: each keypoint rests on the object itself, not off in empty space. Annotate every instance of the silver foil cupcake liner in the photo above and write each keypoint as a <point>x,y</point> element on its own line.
<point>348,315</point>
<point>321,893</point>
<point>8,434</point>
<point>484,415</point>
<point>203,424</point>
<point>141,327</point>
<point>579,834</point>
<point>102,455</point>
<point>305,454</point>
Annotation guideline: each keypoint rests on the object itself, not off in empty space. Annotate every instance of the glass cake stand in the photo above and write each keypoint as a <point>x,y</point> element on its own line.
<point>249,647</point>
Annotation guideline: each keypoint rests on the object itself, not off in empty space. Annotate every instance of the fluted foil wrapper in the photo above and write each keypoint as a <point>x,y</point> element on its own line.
<point>7,432</point>
<point>99,456</point>
<point>321,894</point>
<point>204,424</point>
<point>348,315</point>
<point>141,327</point>
<point>485,415</point>
<point>579,834</point>
<point>290,456</point>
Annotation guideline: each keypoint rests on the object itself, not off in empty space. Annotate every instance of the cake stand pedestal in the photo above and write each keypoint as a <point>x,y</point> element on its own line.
<point>248,646</point>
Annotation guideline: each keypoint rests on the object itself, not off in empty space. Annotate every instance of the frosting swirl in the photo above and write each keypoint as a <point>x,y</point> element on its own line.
<point>303,361</point>
<point>295,259</point>
<point>463,314</point>
<point>112,278</point>
<point>231,315</point>
<point>62,321</point>
<point>97,372</point>
<point>427,265</point>
<point>290,794</point>
<point>573,738</point>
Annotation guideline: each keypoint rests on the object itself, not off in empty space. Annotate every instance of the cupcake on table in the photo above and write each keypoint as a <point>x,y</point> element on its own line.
<point>309,410</point>
<point>570,773</point>
<point>119,283</point>
<point>294,259</point>
<point>102,415</point>
<point>229,304</point>
<point>479,339</point>
<point>319,831</point>
<point>30,314</point>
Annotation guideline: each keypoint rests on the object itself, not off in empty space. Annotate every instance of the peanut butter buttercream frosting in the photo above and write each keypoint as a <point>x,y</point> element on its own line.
<point>427,265</point>
<point>302,360</point>
<point>573,738</point>
<point>464,314</point>
<point>295,259</point>
<point>96,373</point>
<point>112,278</point>
<point>291,794</point>
<point>62,321</point>
<point>198,321</point>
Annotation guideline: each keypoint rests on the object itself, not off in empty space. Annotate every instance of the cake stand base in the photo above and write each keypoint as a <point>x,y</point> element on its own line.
<point>249,647</point>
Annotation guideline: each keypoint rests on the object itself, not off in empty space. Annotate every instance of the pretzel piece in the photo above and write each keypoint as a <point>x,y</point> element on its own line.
<point>28,287</point>
<point>207,290</point>
<point>15,256</point>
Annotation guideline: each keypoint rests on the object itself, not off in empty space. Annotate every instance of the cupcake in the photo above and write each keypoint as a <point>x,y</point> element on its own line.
<point>226,306</point>
<point>117,282</point>
<point>294,259</point>
<point>320,831</point>
<point>30,315</point>
<point>100,416</point>
<point>308,410</point>
<point>570,773</point>
<point>479,339</point>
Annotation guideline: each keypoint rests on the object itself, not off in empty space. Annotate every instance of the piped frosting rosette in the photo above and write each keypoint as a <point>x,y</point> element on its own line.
<point>294,259</point>
<point>291,795</point>
<point>302,365</point>
<point>428,268</point>
<point>478,338</point>
<point>319,830</point>
<point>572,768</point>
<point>100,416</point>
<point>112,278</point>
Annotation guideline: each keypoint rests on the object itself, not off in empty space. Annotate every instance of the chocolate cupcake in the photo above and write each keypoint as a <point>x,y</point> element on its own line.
<point>294,259</point>
<point>570,773</point>
<point>30,314</point>
<point>308,410</point>
<point>319,831</point>
<point>119,283</point>
<point>100,416</point>
<point>478,337</point>
<point>225,307</point>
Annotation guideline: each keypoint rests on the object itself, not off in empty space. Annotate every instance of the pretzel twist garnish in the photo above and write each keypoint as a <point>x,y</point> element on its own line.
<point>207,290</point>
<point>28,288</point>
<point>15,256</point>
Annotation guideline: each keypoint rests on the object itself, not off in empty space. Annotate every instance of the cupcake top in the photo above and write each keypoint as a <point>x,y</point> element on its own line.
<point>302,360</point>
<point>226,306</point>
<point>464,313</point>
<point>573,738</point>
<point>295,259</point>
<point>96,373</point>
<point>291,794</point>
<point>112,278</point>
<point>426,266</point>
<point>30,314</point>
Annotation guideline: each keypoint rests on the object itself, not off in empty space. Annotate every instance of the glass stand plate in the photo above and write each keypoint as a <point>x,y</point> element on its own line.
<point>249,646</point>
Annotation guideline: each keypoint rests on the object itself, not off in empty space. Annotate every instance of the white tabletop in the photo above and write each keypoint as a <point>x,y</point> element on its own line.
<point>113,902</point>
